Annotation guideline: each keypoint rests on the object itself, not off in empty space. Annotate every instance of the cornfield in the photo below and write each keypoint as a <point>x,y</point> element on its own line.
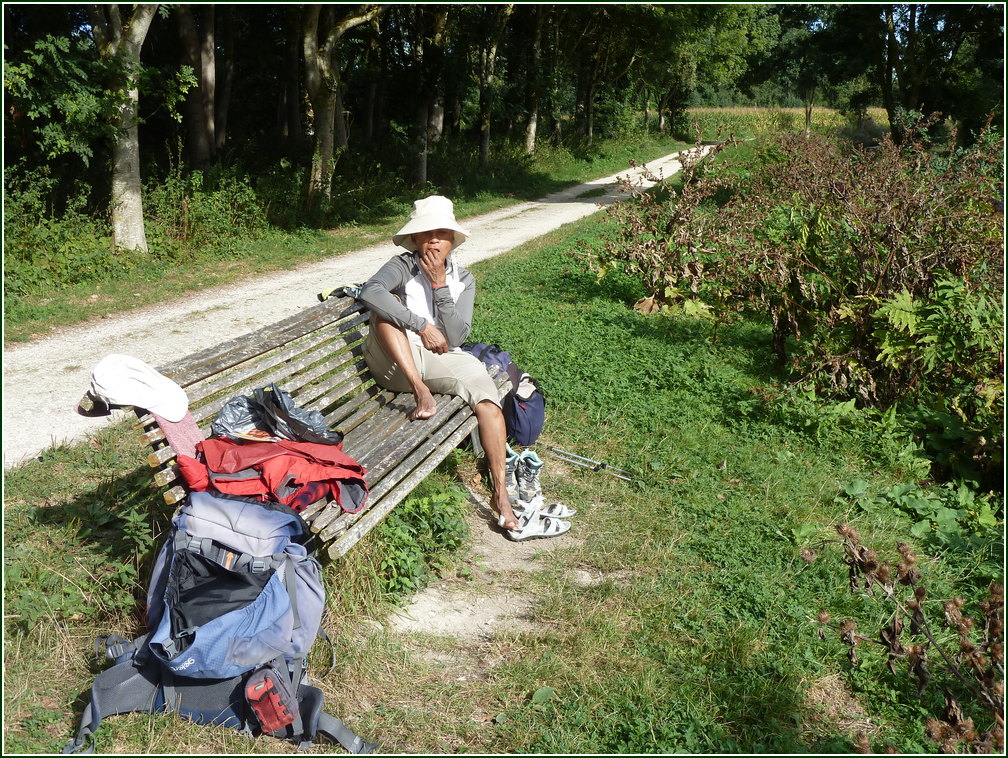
<point>721,123</point>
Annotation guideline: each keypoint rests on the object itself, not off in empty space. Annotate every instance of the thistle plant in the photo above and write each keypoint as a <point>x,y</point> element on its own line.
<point>950,643</point>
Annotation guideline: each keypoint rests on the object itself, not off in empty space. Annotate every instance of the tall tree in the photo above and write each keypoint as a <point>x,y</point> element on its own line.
<point>425,41</point>
<point>917,49</point>
<point>533,77</point>
<point>121,40</point>
<point>322,28</point>
<point>494,22</point>
<point>224,65</point>
<point>197,47</point>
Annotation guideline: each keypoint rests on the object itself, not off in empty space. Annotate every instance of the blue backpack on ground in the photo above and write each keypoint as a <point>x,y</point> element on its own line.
<point>525,405</point>
<point>234,605</point>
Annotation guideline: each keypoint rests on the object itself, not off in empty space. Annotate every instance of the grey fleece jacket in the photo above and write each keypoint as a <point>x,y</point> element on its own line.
<point>385,296</point>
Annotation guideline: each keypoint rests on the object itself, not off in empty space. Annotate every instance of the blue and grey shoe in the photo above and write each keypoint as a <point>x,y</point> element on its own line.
<point>529,466</point>
<point>511,466</point>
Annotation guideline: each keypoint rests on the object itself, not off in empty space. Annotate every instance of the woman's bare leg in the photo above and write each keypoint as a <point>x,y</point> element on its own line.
<point>493,438</point>
<point>396,345</point>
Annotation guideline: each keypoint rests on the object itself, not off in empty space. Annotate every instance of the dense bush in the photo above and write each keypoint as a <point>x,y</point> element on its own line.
<point>420,535</point>
<point>201,212</point>
<point>880,272</point>
<point>187,215</point>
<point>42,252</point>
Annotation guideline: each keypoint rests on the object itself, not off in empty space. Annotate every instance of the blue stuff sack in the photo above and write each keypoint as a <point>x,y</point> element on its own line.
<point>524,408</point>
<point>491,355</point>
<point>525,405</point>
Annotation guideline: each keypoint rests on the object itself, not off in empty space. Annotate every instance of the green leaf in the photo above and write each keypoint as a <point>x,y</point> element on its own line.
<point>804,533</point>
<point>542,695</point>
<point>856,489</point>
<point>697,309</point>
<point>986,517</point>
<point>921,529</point>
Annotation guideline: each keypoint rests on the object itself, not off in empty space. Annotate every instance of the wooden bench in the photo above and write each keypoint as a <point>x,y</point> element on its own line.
<point>318,358</point>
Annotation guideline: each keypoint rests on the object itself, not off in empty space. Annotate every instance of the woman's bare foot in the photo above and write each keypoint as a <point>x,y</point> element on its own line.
<point>505,516</point>
<point>426,406</point>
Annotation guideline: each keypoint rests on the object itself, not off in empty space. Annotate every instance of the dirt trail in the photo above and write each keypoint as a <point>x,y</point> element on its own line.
<point>43,380</point>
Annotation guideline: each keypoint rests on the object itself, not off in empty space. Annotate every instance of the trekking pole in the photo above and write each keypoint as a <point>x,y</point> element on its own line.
<point>579,460</point>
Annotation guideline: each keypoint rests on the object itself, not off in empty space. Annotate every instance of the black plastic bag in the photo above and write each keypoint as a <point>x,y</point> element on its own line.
<point>272,411</point>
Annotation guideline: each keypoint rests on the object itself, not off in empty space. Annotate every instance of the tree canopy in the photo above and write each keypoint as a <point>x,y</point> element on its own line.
<point>309,85</point>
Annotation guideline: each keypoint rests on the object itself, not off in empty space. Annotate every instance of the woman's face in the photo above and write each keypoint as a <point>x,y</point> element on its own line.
<point>438,242</point>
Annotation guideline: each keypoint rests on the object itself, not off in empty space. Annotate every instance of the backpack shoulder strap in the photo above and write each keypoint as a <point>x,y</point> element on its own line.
<point>318,722</point>
<point>334,729</point>
<point>124,688</point>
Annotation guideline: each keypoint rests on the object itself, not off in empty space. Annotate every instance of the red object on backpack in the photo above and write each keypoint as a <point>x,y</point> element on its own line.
<point>268,705</point>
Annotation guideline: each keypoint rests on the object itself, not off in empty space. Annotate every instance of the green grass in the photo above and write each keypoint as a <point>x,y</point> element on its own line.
<point>698,638</point>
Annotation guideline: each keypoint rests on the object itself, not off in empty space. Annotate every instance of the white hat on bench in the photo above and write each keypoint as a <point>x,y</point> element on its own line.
<point>124,380</point>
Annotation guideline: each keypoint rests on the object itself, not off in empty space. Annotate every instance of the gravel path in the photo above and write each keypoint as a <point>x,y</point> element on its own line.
<point>43,380</point>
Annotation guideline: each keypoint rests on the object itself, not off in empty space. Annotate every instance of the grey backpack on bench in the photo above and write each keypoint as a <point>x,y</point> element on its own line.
<point>234,605</point>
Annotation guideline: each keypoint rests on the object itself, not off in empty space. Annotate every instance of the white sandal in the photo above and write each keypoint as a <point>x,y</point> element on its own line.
<point>533,528</point>
<point>556,510</point>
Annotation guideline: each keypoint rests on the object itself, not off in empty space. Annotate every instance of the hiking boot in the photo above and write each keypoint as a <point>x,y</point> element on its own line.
<point>511,474</point>
<point>529,466</point>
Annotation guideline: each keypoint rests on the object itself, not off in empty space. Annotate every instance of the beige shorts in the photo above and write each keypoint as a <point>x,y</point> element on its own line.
<point>454,373</point>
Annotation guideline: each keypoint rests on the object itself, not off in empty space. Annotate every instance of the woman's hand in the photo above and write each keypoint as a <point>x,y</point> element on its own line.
<point>432,263</point>
<point>433,339</point>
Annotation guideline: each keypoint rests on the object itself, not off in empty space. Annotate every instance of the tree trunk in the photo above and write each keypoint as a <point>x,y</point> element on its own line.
<point>117,40</point>
<point>590,116</point>
<point>223,104</point>
<point>809,98</point>
<point>663,106</point>
<point>488,65</point>
<point>885,60</point>
<point>323,154</point>
<point>428,61</point>
<point>322,80</point>
<point>370,101</point>
<point>291,129</point>
<point>208,75</point>
<point>342,131</point>
<point>197,134</point>
<point>372,68</point>
<point>533,83</point>
<point>435,119</point>
<point>420,118</point>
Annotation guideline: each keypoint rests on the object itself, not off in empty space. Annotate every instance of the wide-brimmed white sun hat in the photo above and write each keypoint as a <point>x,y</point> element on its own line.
<point>124,380</point>
<point>434,212</point>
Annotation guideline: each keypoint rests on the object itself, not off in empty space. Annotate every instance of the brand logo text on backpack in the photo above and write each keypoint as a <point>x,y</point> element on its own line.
<point>184,666</point>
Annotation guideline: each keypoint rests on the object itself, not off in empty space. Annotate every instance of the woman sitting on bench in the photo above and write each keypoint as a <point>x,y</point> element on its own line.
<point>421,305</point>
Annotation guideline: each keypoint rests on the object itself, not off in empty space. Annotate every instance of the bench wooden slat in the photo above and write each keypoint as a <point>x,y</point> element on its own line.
<point>286,363</point>
<point>213,360</point>
<point>407,484</point>
<point>251,378</point>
